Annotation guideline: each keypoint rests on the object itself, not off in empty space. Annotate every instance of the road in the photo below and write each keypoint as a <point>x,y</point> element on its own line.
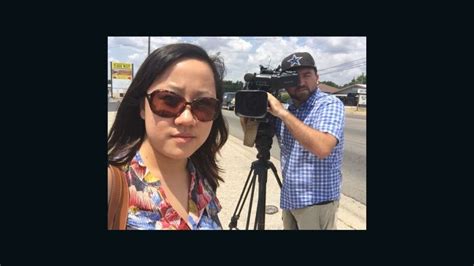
<point>112,106</point>
<point>354,164</point>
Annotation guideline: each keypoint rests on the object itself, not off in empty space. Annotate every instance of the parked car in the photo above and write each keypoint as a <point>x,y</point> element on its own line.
<point>232,104</point>
<point>227,100</point>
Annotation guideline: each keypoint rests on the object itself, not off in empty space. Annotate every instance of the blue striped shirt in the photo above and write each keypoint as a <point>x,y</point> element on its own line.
<point>307,179</point>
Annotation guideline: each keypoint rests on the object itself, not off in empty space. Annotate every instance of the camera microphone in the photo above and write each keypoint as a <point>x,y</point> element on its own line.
<point>249,77</point>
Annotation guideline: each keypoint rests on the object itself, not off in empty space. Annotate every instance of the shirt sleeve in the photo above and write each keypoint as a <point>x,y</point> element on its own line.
<point>330,118</point>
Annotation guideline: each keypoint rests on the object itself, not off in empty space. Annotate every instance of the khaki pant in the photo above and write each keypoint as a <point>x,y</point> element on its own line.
<point>314,217</point>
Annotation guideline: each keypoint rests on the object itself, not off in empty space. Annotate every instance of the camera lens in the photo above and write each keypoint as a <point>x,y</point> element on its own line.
<point>251,103</point>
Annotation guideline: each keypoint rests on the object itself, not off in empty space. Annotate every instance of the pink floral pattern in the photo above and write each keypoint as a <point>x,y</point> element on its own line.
<point>149,209</point>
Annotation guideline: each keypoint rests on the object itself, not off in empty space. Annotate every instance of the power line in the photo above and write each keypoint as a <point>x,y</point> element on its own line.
<point>340,70</point>
<point>344,69</point>
<point>343,64</point>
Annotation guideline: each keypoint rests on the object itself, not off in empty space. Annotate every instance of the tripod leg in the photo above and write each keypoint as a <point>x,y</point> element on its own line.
<point>261,170</point>
<point>240,203</point>
<point>252,185</point>
<point>260,213</point>
<point>272,166</point>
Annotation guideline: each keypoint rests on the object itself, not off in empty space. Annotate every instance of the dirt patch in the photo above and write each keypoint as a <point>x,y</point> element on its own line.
<point>356,111</point>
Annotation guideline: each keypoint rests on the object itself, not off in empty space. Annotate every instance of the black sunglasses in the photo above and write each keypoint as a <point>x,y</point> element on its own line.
<point>169,104</point>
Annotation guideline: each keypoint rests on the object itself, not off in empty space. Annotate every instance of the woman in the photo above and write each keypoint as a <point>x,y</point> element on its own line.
<point>165,137</point>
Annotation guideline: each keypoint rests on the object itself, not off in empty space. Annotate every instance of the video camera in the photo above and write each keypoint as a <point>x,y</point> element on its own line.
<point>252,101</point>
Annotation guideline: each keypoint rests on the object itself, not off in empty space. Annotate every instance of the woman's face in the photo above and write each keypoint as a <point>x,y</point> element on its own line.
<point>179,137</point>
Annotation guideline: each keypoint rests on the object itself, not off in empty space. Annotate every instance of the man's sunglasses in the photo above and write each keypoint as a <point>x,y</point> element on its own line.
<point>169,104</point>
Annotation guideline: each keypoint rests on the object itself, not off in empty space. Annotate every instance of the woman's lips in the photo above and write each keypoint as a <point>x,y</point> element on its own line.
<point>183,138</point>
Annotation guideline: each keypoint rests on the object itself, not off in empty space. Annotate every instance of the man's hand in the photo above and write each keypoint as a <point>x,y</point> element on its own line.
<point>276,108</point>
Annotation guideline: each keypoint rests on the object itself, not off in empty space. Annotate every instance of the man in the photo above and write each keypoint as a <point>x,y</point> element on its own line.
<point>311,138</point>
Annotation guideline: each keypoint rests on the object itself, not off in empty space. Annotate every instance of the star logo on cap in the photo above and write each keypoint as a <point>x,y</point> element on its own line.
<point>295,60</point>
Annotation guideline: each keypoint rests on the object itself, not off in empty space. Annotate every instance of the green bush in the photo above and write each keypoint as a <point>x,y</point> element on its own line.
<point>284,97</point>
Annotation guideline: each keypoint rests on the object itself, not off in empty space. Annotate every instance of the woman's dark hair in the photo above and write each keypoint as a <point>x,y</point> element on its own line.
<point>128,131</point>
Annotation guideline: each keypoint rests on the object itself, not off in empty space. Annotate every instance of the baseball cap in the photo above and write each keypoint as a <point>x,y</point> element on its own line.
<point>299,59</point>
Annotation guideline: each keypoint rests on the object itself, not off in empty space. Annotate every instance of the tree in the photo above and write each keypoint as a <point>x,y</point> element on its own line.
<point>362,79</point>
<point>330,83</point>
<point>284,96</point>
<point>230,86</point>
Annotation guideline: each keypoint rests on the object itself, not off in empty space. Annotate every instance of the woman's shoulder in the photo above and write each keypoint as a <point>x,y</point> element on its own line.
<point>122,168</point>
<point>126,166</point>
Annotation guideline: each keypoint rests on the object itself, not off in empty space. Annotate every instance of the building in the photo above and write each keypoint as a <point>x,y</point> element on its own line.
<point>353,95</point>
<point>327,89</point>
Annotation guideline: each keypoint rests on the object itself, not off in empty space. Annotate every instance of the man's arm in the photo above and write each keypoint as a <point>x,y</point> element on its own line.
<point>317,142</point>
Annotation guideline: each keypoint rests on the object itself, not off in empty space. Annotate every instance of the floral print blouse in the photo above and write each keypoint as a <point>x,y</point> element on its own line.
<point>150,210</point>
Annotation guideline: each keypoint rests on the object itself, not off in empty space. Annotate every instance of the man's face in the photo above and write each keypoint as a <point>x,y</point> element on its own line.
<point>308,84</point>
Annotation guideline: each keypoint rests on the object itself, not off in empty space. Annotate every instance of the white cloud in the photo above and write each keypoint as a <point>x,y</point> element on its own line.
<point>271,51</point>
<point>244,54</point>
<point>238,44</point>
<point>156,42</point>
<point>133,56</point>
<point>133,43</point>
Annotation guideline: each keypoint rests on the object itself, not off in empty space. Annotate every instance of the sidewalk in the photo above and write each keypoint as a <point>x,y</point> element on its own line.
<point>353,110</point>
<point>235,160</point>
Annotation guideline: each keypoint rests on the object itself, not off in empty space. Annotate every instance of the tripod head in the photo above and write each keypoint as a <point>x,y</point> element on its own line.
<point>264,139</point>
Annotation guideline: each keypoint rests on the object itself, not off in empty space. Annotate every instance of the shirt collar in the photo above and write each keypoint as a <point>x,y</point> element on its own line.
<point>189,166</point>
<point>200,192</point>
<point>139,159</point>
<point>200,196</point>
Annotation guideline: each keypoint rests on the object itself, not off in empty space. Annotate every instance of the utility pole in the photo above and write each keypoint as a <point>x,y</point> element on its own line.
<point>148,45</point>
<point>111,81</point>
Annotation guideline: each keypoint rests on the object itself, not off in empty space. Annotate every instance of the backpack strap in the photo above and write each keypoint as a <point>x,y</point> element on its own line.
<point>118,197</point>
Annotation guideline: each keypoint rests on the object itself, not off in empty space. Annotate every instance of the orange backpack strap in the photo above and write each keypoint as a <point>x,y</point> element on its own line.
<point>118,196</point>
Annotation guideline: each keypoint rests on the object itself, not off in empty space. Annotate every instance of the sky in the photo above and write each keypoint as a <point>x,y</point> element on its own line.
<point>338,59</point>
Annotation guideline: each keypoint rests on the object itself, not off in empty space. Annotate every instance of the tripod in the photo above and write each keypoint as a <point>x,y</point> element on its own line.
<point>259,168</point>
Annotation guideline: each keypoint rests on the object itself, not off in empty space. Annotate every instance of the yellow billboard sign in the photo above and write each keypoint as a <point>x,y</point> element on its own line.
<point>122,70</point>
